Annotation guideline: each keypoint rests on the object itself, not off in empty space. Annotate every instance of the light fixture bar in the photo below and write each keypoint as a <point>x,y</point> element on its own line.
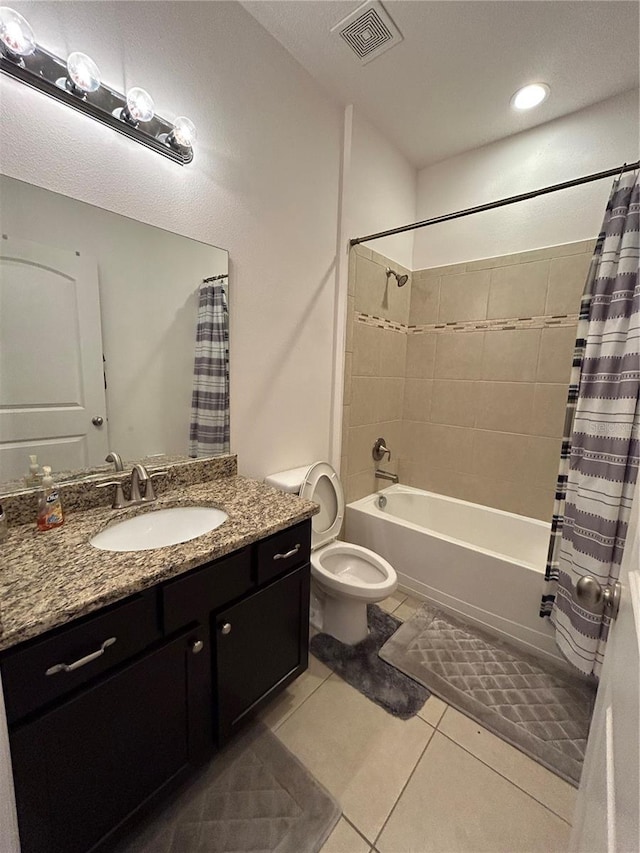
<point>42,69</point>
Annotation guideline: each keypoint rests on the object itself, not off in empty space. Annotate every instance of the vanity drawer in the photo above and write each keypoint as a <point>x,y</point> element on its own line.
<point>195,595</point>
<point>50,668</point>
<point>283,551</point>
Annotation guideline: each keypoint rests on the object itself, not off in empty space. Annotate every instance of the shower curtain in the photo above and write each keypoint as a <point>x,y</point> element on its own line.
<point>600,449</point>
<point>209,430</point>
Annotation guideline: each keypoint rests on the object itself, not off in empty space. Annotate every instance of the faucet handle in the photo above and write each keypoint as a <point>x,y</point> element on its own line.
<point>118,498</point>
<point>149,493</point>
<point>379,450</point>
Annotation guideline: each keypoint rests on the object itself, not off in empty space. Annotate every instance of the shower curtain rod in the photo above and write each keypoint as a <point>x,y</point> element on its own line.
<point>626,167</point>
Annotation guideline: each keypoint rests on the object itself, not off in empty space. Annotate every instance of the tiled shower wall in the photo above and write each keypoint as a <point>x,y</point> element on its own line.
<point>374,369</point>
<point>488,353</point>
<point>484,400</point>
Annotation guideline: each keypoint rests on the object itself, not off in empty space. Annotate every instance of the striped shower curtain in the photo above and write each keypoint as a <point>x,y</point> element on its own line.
<point>600,450</point>
<point>209,430</point>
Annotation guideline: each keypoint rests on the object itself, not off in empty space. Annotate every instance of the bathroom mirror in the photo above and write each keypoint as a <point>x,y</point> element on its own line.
<point>98,318</point>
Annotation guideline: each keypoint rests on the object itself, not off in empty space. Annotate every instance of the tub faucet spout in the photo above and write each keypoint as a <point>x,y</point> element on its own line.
<point>386,475</point>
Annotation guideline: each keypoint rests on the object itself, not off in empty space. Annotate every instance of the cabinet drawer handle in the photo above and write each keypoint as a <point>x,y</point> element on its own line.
<point>286,556</point>
<point>69,667</point>
<point>226,628</point>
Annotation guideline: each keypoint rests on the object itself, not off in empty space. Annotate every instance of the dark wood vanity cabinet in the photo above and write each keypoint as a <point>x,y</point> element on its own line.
<point>83,767</point>
<point>192,659</point>
<point>261,645</point>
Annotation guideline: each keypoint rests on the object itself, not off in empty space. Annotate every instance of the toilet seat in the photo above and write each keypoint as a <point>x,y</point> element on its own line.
<point>353,571</point>
<point>322,486</point>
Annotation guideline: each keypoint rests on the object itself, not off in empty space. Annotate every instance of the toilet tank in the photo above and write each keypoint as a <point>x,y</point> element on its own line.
<point>288,481</point>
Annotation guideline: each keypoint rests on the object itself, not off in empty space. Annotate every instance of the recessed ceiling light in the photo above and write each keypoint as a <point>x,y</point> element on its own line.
<point>530,96</point>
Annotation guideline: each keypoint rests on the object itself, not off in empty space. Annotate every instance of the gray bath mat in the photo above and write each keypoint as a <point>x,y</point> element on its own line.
<point>534,705</point>
<point>361,667</point>
<point>253,796</point>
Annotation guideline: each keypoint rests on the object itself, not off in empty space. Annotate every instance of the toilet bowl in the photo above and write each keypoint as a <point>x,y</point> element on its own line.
<point>347,577</point>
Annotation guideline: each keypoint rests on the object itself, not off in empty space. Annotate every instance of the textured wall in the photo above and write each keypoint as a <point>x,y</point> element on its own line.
<point>264,185</point>
<point>382,191</point>
<point>600,137</point>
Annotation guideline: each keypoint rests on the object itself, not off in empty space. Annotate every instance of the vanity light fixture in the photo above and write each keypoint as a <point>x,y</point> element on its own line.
<point>183,135</point>
<point>76,82</point>
<point>16,36</point>
<point>139,107</point>
<point>530,96</point>
<point>83,75</point>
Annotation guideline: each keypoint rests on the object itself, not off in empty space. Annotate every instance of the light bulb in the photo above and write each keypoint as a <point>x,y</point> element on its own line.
<point>16,35</point>
<point>530,96</point>
<point>184,132</point>
<point>139,106</point>
<point>83,72</point>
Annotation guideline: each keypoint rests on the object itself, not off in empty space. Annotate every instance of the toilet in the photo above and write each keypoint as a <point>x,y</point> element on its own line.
<point>345,577</point>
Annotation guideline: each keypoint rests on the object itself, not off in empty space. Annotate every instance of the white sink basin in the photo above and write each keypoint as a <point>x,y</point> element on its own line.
<point>159,528</point>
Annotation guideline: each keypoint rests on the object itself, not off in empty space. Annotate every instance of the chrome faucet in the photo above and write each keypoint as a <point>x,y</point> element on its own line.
<point>139,476</point>
<point>386,475</point>
<point>114,457</point>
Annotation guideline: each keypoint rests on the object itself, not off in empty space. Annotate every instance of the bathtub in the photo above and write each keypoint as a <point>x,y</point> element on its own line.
<point>483,564</point>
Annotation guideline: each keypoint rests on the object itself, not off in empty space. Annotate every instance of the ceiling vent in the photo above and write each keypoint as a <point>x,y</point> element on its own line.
<point>369,31</point>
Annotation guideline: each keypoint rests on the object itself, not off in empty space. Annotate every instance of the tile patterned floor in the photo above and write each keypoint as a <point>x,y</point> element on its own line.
<point>437,783</point>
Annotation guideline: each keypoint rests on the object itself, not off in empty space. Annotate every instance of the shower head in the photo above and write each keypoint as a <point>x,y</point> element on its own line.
<point>400,279</point>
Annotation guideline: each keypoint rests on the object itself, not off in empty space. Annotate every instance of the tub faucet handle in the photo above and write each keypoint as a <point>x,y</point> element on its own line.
<point>379,450</point>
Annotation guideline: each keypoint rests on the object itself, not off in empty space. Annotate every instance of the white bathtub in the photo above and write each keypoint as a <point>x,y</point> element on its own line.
<point>484,564</point>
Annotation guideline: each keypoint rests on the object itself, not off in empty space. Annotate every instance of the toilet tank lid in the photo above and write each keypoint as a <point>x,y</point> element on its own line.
<point>288,481</point>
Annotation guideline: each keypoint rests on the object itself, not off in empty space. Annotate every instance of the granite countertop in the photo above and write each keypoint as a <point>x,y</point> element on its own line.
<point>50,578</point>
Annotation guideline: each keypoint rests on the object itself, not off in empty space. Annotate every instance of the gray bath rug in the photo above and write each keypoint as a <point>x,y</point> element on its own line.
<point>531,703</point>
<point>361,667</point>
<point>253,796</point>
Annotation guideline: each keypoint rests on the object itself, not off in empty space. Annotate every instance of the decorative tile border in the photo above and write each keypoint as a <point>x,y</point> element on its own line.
<point>508,324</point>
<point>380,322</point>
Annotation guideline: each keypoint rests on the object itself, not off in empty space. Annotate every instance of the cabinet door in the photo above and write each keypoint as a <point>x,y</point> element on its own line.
<point>82,768</point>
<point>262,644</point>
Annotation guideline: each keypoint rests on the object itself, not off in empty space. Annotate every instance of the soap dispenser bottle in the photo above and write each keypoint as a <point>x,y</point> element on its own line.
<point>49,505</point>
<point>34,477</point>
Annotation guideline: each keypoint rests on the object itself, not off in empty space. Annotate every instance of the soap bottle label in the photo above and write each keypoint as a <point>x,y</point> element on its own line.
<point>52,515</point>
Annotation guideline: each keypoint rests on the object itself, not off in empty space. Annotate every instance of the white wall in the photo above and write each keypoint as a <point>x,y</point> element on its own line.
<point>591,140</point>
<point>382,191</point>
<point>263,184</point>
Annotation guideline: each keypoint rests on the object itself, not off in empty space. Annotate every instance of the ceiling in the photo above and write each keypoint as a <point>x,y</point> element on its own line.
<point>446,87</point>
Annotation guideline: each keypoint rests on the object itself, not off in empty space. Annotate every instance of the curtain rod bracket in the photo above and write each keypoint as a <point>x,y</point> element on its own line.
<point>214,278</point>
